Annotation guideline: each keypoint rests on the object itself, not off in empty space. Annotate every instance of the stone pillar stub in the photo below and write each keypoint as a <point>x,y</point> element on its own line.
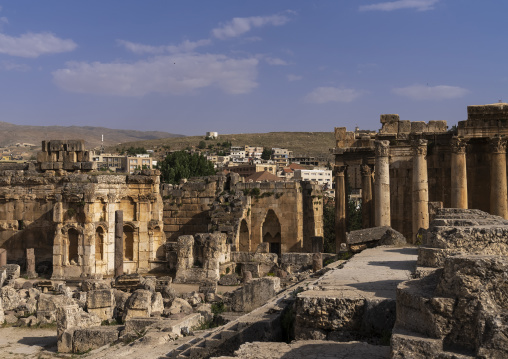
<point>498,190</point>
<point>382,183</point>
<point>420,187</point>
<point>317,244</point>
<point>30,263</point>
<point>247,277</point>
<point>366,171</point>
<point>317,262</point>
<point>458,173</point>
<point>340,208</point>
<point>118,243</point>
<point>3,257</point>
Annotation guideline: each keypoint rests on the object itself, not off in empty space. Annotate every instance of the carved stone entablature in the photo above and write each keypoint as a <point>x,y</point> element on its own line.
<point>458,145</point>
<point>366,170</point>
<point>420,147</point>
<point>382,148</point>
<point>498,145</point>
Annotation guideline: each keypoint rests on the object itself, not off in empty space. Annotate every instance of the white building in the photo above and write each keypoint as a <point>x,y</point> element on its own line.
<point>212,135</point>
<point>323,177</point>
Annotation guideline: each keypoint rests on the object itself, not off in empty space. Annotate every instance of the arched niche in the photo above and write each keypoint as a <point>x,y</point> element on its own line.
<point>271,232</point>
<point>73,247</point>
<point>99,243</point>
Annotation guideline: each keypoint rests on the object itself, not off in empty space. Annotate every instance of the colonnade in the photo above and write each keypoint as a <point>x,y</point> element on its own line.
<point>376,191</point>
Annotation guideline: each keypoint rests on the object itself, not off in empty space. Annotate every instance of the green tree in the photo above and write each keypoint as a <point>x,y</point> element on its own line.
<point>202,145</point>
<point>266,154</point>
<point>181,164</point>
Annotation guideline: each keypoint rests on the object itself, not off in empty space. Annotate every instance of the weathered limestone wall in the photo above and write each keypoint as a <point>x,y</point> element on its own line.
<point>68,218</point>
<point>187,206</point>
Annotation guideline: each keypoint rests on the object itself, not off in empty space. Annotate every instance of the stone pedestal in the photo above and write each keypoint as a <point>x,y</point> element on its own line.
<point>420,188</point>
<point>317,262</point>
<point>498,191</point>
<point>3,257</point>
<point>382,184</point>
<point>118,243</point>
<point>459,174</point>
<point>340,208</point>
<point>367,220</point>
<point>30,263</point>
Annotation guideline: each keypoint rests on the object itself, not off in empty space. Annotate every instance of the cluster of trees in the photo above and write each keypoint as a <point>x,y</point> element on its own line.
<point>182,164</point>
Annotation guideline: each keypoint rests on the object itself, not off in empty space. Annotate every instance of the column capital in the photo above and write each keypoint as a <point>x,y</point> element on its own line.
<point>420,147</point>
<point>498,144</point>
<point>365,170</point>
<point>339,171</point>
<point>458,144</point>
<point>382,148</point>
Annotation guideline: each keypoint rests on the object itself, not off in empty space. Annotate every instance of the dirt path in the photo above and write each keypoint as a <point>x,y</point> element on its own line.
<point>27,343</point>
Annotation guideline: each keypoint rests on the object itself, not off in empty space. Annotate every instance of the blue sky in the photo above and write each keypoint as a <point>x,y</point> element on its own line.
<point>249,66</point>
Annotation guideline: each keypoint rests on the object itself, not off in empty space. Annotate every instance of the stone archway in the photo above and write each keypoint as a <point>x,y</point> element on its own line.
<point>244,240</point>
<point>271,232</point>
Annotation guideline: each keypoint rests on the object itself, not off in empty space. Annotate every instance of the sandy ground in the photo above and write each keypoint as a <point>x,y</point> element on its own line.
<point>27,343</point>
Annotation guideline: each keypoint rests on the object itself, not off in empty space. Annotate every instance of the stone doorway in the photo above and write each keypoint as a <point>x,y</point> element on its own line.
<point>73,236</point>
<point>271,232</point>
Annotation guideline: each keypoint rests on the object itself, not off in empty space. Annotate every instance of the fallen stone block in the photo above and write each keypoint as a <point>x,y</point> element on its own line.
<point>254,294</point>
<point>86,339</point>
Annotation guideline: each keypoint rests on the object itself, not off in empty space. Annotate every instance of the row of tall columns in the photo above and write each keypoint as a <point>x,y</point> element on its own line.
<point>382,184</point>
<point>420,187</point>
<point>498,190</point>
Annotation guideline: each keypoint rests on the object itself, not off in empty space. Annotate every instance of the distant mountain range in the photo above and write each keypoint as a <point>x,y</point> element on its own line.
<point>10,134</point>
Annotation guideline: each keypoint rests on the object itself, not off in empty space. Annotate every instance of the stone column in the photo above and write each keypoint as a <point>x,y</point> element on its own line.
<point>340,208</point>
<point>3,257</point>
<point>459,174</point>
<point>118,243</point>
<point>30,263</point>
<point>382,184</point>
<point>498,194</point>
<point>420,187</point>
<point>366,196</point>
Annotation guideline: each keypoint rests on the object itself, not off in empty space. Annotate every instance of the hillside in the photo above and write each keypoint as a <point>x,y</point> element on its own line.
<point>301,143</point>
<point>11,134</point>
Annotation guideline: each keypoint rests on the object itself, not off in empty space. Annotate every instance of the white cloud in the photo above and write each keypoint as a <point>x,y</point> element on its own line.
<point>11,66</point>
<point>177,74</point>
<point>420,5</point>
<point>275,61</point>
<point>421,92</point>
<point>34,45</point>
<point>332,94</point>
<point>292,77</point>
<point>241,25</point>
<point>185,46</point>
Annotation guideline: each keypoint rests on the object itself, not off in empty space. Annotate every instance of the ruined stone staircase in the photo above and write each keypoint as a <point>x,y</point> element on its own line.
<point>455,312</point>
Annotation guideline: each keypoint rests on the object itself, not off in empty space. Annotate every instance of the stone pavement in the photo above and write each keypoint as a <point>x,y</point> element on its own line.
<point>373,274</point>
<point>310,349</point>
